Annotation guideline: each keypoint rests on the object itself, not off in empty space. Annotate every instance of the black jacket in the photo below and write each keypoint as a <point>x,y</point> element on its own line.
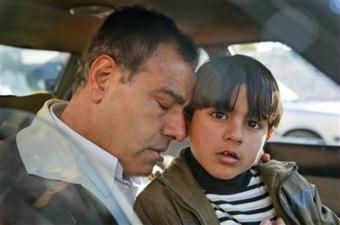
<point>28,199</point>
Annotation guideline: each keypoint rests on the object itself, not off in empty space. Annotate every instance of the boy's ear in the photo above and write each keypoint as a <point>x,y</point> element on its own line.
<point>269,134</point>
<point>99,76</point>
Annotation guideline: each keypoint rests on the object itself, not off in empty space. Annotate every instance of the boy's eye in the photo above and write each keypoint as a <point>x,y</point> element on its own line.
<point>219,115</point>
<point>254,124</point>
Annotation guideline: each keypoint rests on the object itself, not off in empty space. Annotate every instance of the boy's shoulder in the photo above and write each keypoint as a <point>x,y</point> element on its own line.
<point>176,179</point>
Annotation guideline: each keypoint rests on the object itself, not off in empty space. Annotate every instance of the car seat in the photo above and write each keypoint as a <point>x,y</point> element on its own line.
<point>17,112</point>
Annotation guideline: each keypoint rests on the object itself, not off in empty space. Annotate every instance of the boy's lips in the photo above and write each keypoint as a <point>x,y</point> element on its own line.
<point>228,157</point>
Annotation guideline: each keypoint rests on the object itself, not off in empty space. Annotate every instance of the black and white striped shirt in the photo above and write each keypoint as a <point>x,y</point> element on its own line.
<point>248,207</point>
<point>242,200</point>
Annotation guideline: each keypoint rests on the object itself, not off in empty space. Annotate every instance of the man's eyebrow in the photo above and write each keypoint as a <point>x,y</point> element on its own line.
<point>178,98</point>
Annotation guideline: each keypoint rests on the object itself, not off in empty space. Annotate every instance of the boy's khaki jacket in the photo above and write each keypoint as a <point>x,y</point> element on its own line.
<point>174,197</point>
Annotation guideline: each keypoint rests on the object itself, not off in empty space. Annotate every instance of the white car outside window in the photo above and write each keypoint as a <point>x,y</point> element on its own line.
<point>316,120</point>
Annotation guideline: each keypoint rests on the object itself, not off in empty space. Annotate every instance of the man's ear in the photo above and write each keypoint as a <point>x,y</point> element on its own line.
<point>99,76</point>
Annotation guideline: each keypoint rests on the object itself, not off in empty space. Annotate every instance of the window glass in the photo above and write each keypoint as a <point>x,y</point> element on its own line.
<point>311,101</point>
<point>27,71</point>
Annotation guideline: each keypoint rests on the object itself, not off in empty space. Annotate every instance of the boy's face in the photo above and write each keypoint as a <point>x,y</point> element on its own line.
<point>227,144</point>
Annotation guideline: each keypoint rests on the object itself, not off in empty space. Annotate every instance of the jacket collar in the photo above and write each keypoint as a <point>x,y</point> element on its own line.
<point>187,190</point>
<point>282,169</point>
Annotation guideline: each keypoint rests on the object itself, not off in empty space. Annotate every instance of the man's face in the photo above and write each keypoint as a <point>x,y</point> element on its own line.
<point>227,144</point>
<point>139,118</point>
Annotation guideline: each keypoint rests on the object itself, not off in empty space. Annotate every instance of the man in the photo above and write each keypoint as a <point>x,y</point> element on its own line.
<point>134,81</point>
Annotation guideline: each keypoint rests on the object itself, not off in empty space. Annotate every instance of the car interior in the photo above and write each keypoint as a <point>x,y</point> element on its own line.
<point>310,27</point>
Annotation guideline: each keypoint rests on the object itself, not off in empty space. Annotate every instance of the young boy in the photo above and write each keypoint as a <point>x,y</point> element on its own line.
<point>217,180</point>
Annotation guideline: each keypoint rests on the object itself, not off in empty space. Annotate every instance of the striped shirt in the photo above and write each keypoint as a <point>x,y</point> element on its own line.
<point>241,200</point>
<point>248,207</point>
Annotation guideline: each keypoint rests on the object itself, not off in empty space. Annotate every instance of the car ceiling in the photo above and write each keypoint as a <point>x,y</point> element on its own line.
<point>308,26</point>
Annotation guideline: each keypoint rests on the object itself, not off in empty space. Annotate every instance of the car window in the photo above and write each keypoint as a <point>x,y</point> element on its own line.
<point>26,71</point>
<point>311,101</point>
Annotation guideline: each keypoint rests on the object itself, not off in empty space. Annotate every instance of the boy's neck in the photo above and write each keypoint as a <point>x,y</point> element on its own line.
<point>211,184</point>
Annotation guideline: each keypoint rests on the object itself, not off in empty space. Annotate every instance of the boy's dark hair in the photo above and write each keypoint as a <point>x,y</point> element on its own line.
<point>218,82</point>
<point>131,35</point>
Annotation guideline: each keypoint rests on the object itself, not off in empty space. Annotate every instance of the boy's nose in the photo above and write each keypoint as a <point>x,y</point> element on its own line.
<point>233,132</point>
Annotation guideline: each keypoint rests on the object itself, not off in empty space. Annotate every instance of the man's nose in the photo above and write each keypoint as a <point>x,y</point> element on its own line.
<point>175,127</point>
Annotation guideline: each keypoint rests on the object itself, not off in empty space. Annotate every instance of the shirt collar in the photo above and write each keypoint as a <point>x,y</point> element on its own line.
<point>91,150</point>
<point>65,155</point>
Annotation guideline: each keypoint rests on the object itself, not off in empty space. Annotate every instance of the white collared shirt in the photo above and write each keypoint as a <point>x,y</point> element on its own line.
<point>110,163</point>
<point>52,150</point>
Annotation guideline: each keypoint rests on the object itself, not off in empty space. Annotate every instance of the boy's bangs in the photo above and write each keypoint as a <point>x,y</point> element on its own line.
<point>263,99</point>
<point>216,89</point>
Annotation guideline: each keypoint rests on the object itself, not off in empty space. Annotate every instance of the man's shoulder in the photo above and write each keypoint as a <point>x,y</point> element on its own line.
<point>45,201</point>
<point>37,200</point>
<point>13,175</point>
